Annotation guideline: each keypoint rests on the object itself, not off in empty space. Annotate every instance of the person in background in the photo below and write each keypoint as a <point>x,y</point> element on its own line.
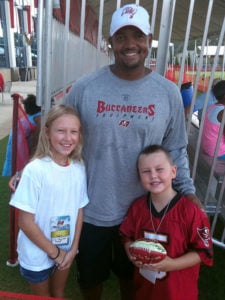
<point>28,127</point>
<point>187,94</point>
<point>50,197</point>
<point>33,112</point>
<point>168,217</point>
<point>32,109</point>
<point>200,100</point>
<point>212,123</point>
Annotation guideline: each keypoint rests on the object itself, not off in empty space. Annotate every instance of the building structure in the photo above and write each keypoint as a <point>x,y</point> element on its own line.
<point>18,48</point>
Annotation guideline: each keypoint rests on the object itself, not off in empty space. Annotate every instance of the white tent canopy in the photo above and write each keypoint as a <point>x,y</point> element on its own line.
<point>211,50</point>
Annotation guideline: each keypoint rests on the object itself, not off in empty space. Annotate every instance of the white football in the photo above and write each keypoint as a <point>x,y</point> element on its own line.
<point>147,251</point>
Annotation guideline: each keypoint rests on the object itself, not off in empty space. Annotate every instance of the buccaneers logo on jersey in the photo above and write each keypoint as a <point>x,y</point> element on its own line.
<point>204,234</point>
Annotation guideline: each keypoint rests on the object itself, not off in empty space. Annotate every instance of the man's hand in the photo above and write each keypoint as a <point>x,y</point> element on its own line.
<point>13,182</point>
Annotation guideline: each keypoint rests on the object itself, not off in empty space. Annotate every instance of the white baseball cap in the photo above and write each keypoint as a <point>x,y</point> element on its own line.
<point>130,15</point>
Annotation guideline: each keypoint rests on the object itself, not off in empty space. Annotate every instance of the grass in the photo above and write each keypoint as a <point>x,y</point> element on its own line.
<point>211,281</point>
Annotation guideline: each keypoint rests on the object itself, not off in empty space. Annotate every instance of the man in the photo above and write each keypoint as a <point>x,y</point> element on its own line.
<point>123,107</point>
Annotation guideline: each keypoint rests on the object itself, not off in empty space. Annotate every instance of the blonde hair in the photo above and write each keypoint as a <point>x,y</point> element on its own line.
<point>44,147</point>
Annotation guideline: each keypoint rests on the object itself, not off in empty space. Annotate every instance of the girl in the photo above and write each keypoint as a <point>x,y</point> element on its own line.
<point>50,197</point>
<point>212,122</point>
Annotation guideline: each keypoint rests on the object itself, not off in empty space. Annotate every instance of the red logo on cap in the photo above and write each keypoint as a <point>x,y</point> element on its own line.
<point>130,11</point>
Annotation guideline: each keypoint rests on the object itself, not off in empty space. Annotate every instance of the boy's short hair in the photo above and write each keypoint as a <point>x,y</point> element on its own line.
<point>154,149</point>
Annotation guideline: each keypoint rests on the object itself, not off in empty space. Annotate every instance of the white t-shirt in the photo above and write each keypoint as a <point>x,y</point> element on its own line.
<point>54,194</point>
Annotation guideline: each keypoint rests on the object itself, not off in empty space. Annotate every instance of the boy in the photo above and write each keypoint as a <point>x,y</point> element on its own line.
<point>177,223</point>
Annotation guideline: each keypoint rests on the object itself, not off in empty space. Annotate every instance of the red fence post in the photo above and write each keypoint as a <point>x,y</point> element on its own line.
<point>13,214</point>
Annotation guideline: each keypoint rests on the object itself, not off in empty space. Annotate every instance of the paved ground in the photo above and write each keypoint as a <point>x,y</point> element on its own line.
<point>6,103</point>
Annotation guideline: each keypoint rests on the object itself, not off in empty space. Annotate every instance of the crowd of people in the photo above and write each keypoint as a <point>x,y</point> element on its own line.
<point>84,208</point>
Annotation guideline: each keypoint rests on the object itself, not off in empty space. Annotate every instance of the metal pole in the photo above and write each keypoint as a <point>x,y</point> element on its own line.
<point>48,57</point>
<point>40,27</point>
<point>199,70</point>
<point>164,36</point>
<point>185,52</point>
<point>100,21</point>
<point>82,24</point>
<point>13,212</point>
<point>66,42</point>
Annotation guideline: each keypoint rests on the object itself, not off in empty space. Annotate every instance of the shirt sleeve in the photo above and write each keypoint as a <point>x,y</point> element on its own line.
<point>175,141</point>
<point>27,193</point>
<point>127,227</point>
<point>200,235</point>
<point>183,181</point>
<point>84,196</point>
<point>72,98</point>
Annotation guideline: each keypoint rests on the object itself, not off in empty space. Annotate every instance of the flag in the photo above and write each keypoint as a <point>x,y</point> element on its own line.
<point>27,8</point>
<point>11,8</point>
<point>21,130</point>
<point>17,151</point>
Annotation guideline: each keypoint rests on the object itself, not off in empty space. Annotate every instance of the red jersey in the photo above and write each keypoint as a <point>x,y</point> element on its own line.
<point>185,227</point>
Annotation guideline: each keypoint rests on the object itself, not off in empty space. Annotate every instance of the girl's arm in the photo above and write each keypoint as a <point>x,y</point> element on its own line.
<point>34,233</point>
<point>69,257</point>
<point>168,264</point>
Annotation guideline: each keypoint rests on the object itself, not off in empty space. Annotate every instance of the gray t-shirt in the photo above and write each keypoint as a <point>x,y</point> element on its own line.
<point>119,119</point>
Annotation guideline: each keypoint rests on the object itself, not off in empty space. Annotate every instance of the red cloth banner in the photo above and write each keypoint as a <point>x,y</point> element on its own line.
<point>91,22</point>
<point>21,130</point>
<point>17,296</point>
<point>11,8</point>
<point>27,8</point>
<point>36,3</point>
